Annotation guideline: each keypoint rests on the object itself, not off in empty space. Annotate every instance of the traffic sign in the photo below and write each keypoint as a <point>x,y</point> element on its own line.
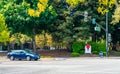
<point>97,28</point>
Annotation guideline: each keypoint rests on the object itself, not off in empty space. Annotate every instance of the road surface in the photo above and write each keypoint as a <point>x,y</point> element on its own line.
<point>62,66</point>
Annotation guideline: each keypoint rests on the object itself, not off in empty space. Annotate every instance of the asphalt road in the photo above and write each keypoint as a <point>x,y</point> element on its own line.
<point>62,66</point>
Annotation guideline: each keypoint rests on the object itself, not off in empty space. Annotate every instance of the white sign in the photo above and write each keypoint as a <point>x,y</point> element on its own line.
<point>88,48</point>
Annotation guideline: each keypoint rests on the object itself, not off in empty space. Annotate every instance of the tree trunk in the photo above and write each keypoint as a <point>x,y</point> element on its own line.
<point>45,39</point>
<point>0,46</point>
<point>8,46</point>
<point>13,46</point>
<point>34,42</point>
<point>21,46</point>
<point>69,47</point>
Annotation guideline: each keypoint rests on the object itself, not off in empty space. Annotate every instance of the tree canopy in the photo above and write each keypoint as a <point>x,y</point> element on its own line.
<point>62,19</point>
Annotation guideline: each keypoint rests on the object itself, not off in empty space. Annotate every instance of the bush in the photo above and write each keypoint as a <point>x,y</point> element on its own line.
<point>82,51</point>
<point>104,53</point>
<point>95,52</point>
<point>77,46</point>
<point>97,47</point>
<point>75,54</point>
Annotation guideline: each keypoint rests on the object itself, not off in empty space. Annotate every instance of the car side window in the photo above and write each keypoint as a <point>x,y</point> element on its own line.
<point>16,52</point>
<point>21,52</point>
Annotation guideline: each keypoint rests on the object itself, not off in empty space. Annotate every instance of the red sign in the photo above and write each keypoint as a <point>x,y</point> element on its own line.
<point>87,46</point>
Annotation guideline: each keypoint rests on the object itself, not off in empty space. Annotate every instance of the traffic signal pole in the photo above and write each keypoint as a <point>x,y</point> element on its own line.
<point>105,29</point>
<point>106,34</point>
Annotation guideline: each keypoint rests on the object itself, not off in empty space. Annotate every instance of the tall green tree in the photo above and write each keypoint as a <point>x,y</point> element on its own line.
<point>43,19</point>
<point>69,29</point>
<point>28,19</point>
<point>16,15</point>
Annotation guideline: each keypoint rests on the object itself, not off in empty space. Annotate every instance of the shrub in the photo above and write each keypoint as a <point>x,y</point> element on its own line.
<point>82,51</point>
<point>97,47</point>
<point>95,52</point>
<point>104,53</point>
<point>77,46</point>
<point>75,54</point>
<point>102,47</point>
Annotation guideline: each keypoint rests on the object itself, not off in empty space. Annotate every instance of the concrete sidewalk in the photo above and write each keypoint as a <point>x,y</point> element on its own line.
<point>4,58</point>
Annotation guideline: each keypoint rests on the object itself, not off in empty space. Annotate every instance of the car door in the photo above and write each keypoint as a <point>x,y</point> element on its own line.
<point>22,55</point>
<point>16,54</point>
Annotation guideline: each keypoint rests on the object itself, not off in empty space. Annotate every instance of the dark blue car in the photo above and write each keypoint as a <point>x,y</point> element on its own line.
<point>22,54</point>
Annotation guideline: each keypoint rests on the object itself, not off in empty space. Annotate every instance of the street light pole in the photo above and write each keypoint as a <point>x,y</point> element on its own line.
<point>106,34</point>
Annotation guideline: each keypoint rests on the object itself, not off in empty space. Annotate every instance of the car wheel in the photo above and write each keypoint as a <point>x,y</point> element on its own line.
<point>28,58</point>
<point>12,58</point>
<point>36,59</point>
<point>19,59</point>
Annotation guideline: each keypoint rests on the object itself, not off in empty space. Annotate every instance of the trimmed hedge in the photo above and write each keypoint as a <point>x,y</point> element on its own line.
<point>75,54</point>
<point>77,46</point>
<point>97,47</point>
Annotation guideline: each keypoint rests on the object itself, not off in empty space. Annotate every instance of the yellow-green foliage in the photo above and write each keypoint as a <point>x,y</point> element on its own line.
<point>42,4</point>
<point>74,2</point>
<point>116,16</point>
<point>19,38</point>
<point>40,39</point>
<point>105,6</point>
<point>4,33</point>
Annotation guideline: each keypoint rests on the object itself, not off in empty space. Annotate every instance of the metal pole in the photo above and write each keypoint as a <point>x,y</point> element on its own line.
<point>106,34</point>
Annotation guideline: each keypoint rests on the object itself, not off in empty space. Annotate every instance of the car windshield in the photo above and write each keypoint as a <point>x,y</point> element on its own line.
<point>28,51</point>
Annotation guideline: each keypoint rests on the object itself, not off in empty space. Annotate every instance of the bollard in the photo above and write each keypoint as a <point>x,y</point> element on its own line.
<point>101,54</point>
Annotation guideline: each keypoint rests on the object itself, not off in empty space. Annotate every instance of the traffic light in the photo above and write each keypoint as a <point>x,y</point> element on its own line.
<point>85,16</point>
<point>71,12</point>
<point>93,21</point>
<point>109,37</point>
<point>118,1</point>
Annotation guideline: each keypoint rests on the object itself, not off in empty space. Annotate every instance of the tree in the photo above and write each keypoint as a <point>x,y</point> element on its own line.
<point>15,15</point>
<point>105,5</point>
<point>41,6</point>
<point>74,3</point>
<point>40,39</point>
<point>70,29</point>
<point>60,18</point>
<point>116,22</point>
<point>4,33</point>
<point>43,19</point>
<point>20,19</point>
<point>19,39</point>
<point>116,15</point>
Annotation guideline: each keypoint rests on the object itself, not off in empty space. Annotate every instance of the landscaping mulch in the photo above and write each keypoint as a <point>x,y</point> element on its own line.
<point>55,53</point>
<point>65,53</point>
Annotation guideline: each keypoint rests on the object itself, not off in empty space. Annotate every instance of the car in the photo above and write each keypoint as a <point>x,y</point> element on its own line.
<point>23,54</point>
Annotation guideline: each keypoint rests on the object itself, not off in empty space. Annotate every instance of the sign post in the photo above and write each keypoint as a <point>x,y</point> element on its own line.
<point>88,48</point>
